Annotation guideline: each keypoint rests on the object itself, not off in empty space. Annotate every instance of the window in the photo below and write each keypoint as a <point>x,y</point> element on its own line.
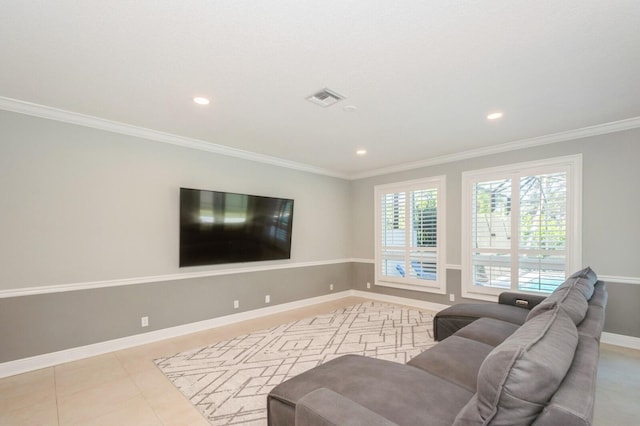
<point>410,235</point>
<point>521,227</point>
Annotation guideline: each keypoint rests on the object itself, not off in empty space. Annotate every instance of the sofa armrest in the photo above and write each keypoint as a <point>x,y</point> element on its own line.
<point>324,407</point>
<point>521,300</point>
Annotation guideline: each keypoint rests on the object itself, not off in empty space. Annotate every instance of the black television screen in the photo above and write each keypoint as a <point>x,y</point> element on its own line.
<point>222,227</point>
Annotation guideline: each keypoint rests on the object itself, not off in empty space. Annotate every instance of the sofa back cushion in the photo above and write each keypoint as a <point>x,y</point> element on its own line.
<point>586,273</point>
<point>600,295</point>
<point>573,296</point>
<point>569,299</point>
<point>583,285</point>
<point>519,376</point>
<point>584,280</point>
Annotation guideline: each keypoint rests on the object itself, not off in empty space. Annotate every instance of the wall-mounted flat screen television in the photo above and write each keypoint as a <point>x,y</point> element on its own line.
<point>223,227</point>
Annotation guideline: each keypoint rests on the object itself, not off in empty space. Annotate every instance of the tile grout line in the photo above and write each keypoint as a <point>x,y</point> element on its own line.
<point>140,391</point>
<point>55,392</point>
<point>113,408</point>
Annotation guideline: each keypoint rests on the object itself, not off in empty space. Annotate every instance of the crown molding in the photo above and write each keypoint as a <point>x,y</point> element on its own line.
<point>71,117</point>
<point>599,129</point>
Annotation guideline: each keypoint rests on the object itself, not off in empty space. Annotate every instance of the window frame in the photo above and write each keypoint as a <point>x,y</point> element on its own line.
<point>438,285</point>
<point>572,165</point>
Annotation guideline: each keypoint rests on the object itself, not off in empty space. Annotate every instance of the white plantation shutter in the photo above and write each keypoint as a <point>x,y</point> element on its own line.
<point>491,233</point>
<point>522,226</point>
<point>542,231</point>
<point>424,234</point>
<point>393,231</point>
<point>409,235</point>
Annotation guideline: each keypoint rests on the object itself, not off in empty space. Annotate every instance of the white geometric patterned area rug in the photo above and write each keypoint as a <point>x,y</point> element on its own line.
<point>229,381</point>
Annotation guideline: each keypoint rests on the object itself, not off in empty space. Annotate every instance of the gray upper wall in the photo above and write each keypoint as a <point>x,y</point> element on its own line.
<point>610,205</point>
<point>82,205</point>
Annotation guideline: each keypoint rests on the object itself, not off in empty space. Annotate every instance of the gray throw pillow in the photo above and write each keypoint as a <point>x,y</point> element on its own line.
<point>519,376</point>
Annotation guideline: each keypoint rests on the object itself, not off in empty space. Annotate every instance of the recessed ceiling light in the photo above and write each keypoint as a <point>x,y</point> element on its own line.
<point>201,101</point>
<point>349,108</point>
<point>361,151</point>
<point>494,116</point>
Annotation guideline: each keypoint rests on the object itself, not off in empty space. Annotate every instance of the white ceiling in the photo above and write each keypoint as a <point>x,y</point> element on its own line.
<point>423,74</point>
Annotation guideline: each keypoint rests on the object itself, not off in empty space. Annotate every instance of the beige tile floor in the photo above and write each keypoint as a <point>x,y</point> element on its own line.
<point>125,387</point>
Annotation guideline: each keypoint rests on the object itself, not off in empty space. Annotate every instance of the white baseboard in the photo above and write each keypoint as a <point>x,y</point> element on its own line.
<point>620,340</point>
<point>399,300</point>
<point>47,360</point>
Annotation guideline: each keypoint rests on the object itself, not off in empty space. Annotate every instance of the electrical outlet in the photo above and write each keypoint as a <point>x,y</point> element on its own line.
<point>236,304</point>
<point>267,299</point>
<point>330,287</point>
<point>144,322</point>
<point>368,285</point>
<point>452,297</point>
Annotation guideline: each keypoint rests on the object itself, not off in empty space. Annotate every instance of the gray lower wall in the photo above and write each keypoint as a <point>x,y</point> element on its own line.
<point>45,323</point>
<point>622,313</point>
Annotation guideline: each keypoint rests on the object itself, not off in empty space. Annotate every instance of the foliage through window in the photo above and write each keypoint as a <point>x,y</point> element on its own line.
<point>410,235</point>
<point>521,224</point>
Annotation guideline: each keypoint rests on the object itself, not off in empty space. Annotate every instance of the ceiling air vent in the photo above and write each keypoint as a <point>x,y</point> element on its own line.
<point>325,98</point>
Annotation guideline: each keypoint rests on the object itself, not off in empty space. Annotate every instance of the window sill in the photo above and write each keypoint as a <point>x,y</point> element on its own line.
<point>480,296</point>
<point>424,289</point>
<point>493,297</point>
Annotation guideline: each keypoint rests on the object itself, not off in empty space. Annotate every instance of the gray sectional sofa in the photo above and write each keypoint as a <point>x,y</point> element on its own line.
<point>525,360</point>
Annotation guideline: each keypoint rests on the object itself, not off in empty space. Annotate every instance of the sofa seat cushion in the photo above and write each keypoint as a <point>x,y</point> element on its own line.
<point>488,330</point>
<point>455,359</point>
<point>324,407</point>
<point>453,318</point>
<point>398,392</point>
<point>519,377</point>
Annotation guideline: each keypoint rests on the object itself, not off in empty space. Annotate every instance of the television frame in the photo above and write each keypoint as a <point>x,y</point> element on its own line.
<point>218,227</point>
